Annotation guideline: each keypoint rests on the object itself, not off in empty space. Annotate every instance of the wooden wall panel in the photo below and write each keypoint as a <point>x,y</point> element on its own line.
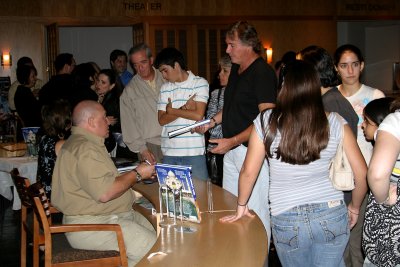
<point>282,24</point>
<point>295,35</point>
<point>93,8</point>
<point>371,9</point>
<point>52,48</point>
<point>134,8</point>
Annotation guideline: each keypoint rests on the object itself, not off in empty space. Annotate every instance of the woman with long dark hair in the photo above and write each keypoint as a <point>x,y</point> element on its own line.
<point>349,63</point>
<point>106,88</point>
<point>57,128</point>
<point>381,231</point>
<point>310,221</point>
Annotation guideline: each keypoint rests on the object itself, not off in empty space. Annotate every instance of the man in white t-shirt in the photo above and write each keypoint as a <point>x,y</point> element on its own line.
<point>174,113</point>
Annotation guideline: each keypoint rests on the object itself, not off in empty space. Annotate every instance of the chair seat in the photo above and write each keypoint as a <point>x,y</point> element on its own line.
<point>63,252</point>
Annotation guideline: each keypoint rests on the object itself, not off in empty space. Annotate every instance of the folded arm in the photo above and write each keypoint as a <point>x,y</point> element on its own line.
<point>196,113</point>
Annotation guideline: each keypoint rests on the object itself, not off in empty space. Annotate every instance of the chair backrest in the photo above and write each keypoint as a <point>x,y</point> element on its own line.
<point>67,255</point>
<point>21,184</point>
<point>41,205</point>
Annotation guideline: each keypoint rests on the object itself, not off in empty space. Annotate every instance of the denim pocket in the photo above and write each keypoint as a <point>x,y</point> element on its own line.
<point>286,237</point>
<point>335,227</point>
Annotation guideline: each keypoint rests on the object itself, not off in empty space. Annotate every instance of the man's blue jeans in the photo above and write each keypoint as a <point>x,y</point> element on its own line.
<point>312,234</point>
<point>198,163</point>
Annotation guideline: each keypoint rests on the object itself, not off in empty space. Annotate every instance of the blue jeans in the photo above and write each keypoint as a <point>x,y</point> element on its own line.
<point>198,163</point>
<point>312,234</point>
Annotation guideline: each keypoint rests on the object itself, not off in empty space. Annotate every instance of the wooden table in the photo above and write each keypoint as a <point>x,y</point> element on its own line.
<point>243,243</point>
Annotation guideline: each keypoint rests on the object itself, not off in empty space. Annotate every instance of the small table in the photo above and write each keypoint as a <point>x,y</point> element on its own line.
<point>27,167</point>
<point>242,243</point>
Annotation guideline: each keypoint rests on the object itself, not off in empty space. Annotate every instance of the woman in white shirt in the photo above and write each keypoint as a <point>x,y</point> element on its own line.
<point>310,222</point>
<point>349,63</point>
<point>382,211</point>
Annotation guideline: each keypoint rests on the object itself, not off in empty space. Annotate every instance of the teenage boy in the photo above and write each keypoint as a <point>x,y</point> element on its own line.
<point>175,111</point>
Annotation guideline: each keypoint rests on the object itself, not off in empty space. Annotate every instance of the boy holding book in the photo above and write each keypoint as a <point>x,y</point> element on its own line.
<point>182,101</point>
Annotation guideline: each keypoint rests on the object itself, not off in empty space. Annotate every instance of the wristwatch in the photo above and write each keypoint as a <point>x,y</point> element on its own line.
<point>138,176</point>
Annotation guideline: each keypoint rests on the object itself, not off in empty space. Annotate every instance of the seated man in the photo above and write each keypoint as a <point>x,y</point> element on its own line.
<point>88,189</point>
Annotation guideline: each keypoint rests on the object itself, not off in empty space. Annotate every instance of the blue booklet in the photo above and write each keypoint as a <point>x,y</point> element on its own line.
<point>176,177</point>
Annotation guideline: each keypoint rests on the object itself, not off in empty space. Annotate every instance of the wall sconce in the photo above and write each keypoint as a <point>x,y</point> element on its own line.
<point>6,60</point>
<point>268,52</point>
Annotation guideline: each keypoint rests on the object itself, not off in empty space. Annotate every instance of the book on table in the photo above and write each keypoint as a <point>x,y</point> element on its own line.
<point>124,164</point>
<point>175,177</point>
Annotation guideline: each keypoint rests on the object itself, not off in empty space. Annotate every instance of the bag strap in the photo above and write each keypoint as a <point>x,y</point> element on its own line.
<point>342,137</point>
<point>398,192</point>
<point>340,145</point>
<point>218,98</point>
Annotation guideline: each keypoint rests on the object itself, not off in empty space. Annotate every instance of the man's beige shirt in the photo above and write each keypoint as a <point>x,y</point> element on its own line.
<point>139,115</point>
<point>83,172</point>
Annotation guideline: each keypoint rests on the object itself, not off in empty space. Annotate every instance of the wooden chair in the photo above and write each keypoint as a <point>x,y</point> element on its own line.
<point>61,254</point>
<point>22,184</point>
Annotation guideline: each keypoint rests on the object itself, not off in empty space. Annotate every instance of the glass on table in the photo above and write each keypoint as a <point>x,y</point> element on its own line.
<point>210,200</point>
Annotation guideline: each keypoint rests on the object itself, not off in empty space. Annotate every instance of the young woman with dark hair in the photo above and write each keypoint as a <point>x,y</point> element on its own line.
<point>349,63</point>
<point>309,219</point>
<point>57,126</point>
<point>381,235</point>
<point>106,88</point>
<point>26,104</point>
<point>374,113</point>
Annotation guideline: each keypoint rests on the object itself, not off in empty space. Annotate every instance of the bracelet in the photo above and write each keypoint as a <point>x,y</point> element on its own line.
<point>241,204</point>
<point>236,142</point>
<point>215,122</point>
<point>352,212</point>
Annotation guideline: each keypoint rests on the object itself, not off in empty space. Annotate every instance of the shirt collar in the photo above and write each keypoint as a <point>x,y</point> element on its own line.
<point>90,136</point>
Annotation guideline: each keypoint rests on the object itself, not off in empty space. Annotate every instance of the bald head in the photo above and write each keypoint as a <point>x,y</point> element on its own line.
<point>91,116</point>
<point>83,111</point>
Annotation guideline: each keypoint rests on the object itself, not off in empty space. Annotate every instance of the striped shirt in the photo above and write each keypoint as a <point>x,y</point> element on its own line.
<point>214,106</point>
<point>294,185</point>
<point>187,144</point>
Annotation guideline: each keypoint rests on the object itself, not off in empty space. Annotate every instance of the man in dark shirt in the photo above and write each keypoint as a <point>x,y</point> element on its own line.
<point>251,89</point>
<point>60,85</point>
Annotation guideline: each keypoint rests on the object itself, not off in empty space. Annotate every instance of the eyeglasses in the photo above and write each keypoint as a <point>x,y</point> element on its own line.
<point>355,64</point>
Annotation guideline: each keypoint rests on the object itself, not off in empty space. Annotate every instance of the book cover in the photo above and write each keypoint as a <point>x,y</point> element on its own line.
<point>176,177</point>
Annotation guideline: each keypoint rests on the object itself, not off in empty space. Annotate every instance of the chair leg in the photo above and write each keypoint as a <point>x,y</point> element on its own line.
<point>23,236</point>
<point>36,243</point>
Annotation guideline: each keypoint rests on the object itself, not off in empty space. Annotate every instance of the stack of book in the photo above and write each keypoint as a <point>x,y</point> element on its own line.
<point>176,178</point>
<point>124,165</point>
